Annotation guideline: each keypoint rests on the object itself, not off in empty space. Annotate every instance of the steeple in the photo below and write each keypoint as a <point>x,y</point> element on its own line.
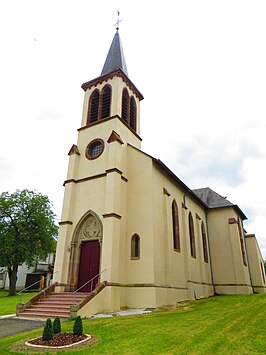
<point>112,94</point>
<point>115,58</point>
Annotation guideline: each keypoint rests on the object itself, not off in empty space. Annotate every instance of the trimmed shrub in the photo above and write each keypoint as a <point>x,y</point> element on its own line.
<point>78,327</point>
<point>48,332</point>
<point>57,325</point>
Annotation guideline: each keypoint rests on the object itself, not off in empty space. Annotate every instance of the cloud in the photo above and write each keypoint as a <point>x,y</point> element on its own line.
<point>216,158</point>
<point>6,168</point>
<point>45,115</point>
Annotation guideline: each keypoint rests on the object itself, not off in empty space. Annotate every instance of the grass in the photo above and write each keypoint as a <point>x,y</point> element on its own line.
<point>8,303</point>
<point>219,325</point>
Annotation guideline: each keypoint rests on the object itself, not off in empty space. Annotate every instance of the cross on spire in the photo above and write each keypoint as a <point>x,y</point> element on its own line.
<point>117,21</point>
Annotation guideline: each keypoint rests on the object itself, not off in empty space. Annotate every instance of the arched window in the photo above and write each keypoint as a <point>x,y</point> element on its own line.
<point>125,105</point>
<point>106,101</point>
<point>135,247</point>
<point>204,242</point>
<point>175,221</point>
<point>192,236</point>
<point>262,272</point>
<point>133,113</point>
<point>94,106</point>
<point>242,242</point>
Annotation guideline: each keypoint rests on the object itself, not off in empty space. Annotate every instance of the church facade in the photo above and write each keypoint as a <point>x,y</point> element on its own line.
<point>131,231</point>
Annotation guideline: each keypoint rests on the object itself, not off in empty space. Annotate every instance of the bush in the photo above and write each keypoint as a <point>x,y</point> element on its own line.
<point>78,327</point>
<point>57,325</point>
<point>48,332</point>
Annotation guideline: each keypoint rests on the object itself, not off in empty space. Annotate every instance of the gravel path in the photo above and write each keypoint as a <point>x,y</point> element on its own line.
<point>13,325</point>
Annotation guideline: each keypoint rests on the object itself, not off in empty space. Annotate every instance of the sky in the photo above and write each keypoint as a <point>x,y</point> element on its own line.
<point>199,64</point>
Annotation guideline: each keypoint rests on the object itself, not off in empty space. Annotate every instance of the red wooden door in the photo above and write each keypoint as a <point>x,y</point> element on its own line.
<point>89,265</point>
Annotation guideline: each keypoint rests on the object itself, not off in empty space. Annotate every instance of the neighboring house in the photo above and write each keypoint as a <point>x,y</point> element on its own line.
<point>28,276</point>
<point>131,224</point>
<point>2,277</point>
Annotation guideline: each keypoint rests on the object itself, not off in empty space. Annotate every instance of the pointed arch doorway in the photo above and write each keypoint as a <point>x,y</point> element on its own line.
<point>89,266</point>
<point>85,254</point>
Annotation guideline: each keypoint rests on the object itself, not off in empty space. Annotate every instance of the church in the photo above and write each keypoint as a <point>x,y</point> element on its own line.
<point>132,234</point>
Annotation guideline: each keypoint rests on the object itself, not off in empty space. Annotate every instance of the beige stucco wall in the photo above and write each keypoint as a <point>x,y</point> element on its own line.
<point>230,275</point>
<point>108,300</point>
<point>95,193</point>
<point>179,268</point>
<point>149,214</point>
<point>256,264</point>
<point>139,217</point>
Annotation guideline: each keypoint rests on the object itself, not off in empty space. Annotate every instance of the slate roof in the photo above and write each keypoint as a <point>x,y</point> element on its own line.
<point>213,200</point>
<point>115,65</point>
<point>115,58</point>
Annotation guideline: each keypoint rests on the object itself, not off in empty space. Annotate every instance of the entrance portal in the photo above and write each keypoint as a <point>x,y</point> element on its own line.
<point>89,265</point>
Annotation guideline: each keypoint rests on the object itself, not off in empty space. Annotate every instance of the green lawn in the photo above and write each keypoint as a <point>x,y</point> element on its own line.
<point>8,304</point>
<point>219,325</point>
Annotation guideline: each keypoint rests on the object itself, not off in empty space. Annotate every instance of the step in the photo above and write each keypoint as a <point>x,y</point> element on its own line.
<point>65,298</point>
<point>70,293</point>
<point>43,310</point>
<point>46,311</point>
<point>55,302</point>
<point>47,306</point>
<point>45,315</point>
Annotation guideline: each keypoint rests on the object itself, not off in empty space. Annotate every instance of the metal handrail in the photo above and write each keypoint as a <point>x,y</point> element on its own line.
<point>24,289</point>
<point>75,292</point>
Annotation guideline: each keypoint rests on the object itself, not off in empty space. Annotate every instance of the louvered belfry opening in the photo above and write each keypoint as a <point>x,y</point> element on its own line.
<point>129,109</point>
<point>100,104</point>
<point>125,102</point>
<point>132,118</point>
<point>94,106</point>
<point>106,101</point>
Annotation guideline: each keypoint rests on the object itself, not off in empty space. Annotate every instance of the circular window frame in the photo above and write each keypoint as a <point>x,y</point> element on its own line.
<point>87,151</point>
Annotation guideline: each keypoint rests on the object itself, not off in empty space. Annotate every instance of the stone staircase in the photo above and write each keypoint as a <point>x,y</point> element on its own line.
<point>54,304</point>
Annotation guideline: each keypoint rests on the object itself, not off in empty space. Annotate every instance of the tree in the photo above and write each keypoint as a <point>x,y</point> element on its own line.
<point>57,325</point>
<point>78,327</point>
<point>27,231</point>
<point>48,332</point>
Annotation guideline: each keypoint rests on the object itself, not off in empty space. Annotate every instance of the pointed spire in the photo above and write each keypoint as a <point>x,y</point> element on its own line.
<point>115,58</point>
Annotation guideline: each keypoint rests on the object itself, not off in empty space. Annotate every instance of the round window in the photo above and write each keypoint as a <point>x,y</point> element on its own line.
<point>94,149</point>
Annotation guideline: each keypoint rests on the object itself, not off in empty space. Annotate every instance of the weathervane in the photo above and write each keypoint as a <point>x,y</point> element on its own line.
<point>118,21</point>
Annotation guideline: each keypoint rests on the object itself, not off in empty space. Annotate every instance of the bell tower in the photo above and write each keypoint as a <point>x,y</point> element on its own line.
<point>112,94</point>
<point>94,207</point>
